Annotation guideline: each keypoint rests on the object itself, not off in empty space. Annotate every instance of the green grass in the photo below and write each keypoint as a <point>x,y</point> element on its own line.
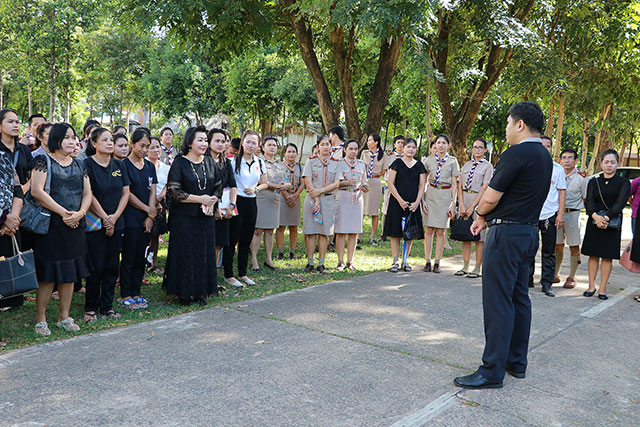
<point>17,324</point>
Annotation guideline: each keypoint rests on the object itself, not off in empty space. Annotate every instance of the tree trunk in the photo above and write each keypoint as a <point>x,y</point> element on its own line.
<point>428,110</point>
<point>585,146</point>
<point>386,135</point>
<point>67,95</point>
<point>30,99</point>
<point>304,36</point>
<point>342,57</point>
<point>388,60</point>
<point>552,111</point>
<point>624,148</point>
<point>459,123</point>
<point>304,134</point>
<point>265,127</point>
<point>284,122</point>
<point>2,91</point>
<point>596,145</point>
<point>558,142</point>
<point>52,86</point>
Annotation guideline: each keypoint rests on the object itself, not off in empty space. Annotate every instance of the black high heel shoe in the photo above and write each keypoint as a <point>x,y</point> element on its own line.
<point>589,293</point>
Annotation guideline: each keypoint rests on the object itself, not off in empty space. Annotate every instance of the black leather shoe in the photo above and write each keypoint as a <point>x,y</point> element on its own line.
<point>475,381</point>
<point>321,269</point>
<point>308,268</point>
<point>546,289</point>
<point>603,296</point>
<point>589,293</point>
<point>515,374</point>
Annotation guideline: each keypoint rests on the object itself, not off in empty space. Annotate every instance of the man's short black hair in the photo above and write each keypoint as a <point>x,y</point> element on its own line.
<point>399,138</point>
<point>34,116</point>
<point>235,143</point>
<point>548,138</point>
<point>530,113</point>
<point>337,130</point>
<point>570,150</point>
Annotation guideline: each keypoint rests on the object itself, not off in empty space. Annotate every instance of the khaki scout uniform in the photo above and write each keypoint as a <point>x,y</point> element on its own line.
<point>268,201</point>
<point>438,196</point>
<point>374,168</point>
<point>481,176</point>
<point>321,174</point>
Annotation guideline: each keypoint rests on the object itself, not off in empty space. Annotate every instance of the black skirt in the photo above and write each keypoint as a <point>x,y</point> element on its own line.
<point>61,255</point>
<point>601,243</point>
<point>190,271</point>
<point>393,220</point>
<point>222,232</point>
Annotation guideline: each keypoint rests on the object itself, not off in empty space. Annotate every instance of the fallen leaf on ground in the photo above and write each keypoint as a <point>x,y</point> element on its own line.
<point>260,342</point>
<point>605,392</point>
<point>151,335</point>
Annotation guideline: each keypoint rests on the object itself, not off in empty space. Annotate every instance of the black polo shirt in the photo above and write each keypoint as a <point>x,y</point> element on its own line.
<point>107,184</point>
<point>23,160</point>
<point>140,181</point>
<point>523,175</point>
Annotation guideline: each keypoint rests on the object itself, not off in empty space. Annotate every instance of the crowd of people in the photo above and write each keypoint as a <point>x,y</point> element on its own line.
<point>112,196</point>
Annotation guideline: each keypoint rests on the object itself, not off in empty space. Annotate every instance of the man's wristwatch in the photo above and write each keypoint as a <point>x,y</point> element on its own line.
<point>478,213</point>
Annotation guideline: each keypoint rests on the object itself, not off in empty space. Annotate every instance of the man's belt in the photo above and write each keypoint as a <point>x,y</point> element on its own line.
<point>375,175</point>
<point>499,221</point>
<point>442,187</point>
<point>571,210</point>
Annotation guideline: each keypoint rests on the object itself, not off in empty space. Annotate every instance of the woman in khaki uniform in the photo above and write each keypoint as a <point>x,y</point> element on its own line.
<point>439,201</point>
<point>321,179</point>
<point>375,162</point>
<point>349,202</point>
<point>268,202</point>
<point>472,184</point>
<point>290,201</point>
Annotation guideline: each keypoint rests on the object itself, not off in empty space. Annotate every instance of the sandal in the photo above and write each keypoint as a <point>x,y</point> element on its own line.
<point>473,275</point>
<point>394,268</point>
<point>637,298</point>
<point>461,273</point>
<point>89,316</point>
<point>43,329</point>
<point>340,266</point>
<point>110,313</point>
<point>130,303</point>
<point>156,270</point>
<point>68,325</point>
<point>141,302</point>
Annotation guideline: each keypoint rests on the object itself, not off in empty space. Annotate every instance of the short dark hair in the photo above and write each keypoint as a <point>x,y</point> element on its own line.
<point>530,113</point>
<point>155,138</point>
<point>269,137</point>
<point>346,143</point>
<point>189,136</point>
<point>570,150</point>
<point>117,128</point>
<point>56,135</point>
<point>291,144</point>
<point>34,116</point>
<point>93,138</point>
<point>408,141</point>
<point>337,130</point>
<point>139,134</point>
<point>611,151</point>
<point>442,135</point>
<point>548,138</point>
<point>164,129</point>
<point>213,131</point>
<point>235,143</point>
<point>481,140</point>
<point>118,136</point>
<point>399,138</point>
<point>5,111</point>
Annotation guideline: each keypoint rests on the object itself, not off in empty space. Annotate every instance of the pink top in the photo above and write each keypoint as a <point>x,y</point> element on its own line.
<point>635,194</point>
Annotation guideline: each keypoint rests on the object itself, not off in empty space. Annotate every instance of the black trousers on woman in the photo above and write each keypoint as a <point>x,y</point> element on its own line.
<point>104,253</point>
<point>134,242</point>
<point>241,232</point>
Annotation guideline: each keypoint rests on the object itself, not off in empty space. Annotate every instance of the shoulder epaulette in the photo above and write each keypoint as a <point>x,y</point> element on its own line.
<point>335,160</point>
<point>313,157</point>
<point>582,174</point>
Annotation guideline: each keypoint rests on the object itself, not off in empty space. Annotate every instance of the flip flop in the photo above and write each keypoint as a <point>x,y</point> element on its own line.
<point>461,273</point>
<point>473,275</point>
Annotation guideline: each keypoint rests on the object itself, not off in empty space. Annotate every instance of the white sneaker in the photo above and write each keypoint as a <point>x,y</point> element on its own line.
<point>232,281</point>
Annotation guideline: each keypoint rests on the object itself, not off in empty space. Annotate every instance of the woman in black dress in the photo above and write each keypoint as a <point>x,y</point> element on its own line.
<point>227,205</point>
<point>405,182</point>
<point>61,254</point>
<point>608,194</point>
<point>194,186</point>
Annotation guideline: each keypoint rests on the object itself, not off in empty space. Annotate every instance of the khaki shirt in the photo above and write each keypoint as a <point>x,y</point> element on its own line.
<point>315,170</point>
<point>481,176</point>
<point>576,190</point>
<point>375,168</point>
<point>389,158</point>
<point>296,179</point>
<point>275,170</point>
<point>449,171</point>
<point>337,153</point>
<point>345,172</point>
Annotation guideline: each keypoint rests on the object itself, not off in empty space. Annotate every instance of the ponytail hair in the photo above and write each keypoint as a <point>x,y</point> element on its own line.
<point>240,153</point>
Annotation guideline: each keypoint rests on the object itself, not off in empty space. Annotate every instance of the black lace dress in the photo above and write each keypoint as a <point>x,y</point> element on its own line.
<point>61,254</point>
<point>190,271</point>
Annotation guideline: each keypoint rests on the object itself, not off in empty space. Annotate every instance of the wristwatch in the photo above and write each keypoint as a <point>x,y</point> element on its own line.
<point>478,213</point>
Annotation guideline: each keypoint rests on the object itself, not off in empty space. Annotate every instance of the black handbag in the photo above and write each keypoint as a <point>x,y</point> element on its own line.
<point>410,230</point>
<point>614,223</point>
<point>461,229</point>
<point>18,273</point>
<point>34,217</point>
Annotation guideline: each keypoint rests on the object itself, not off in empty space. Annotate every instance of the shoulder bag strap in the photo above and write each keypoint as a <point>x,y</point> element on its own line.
<point>47,183</point>
<point>600,191</point>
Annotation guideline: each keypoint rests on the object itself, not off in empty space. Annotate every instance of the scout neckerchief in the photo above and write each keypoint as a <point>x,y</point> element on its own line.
<point>467,184</point>
<point>333,149</point>
<point>325,169</point>
<point>168,152</point>
<point>373,156</point>
<point>436,181</point>
<point>292,177</point>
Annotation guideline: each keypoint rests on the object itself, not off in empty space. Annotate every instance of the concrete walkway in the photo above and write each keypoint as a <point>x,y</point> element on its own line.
<point>377,350</point>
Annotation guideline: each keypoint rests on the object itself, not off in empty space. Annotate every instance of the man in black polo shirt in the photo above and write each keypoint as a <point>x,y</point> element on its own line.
<point>511,206</point>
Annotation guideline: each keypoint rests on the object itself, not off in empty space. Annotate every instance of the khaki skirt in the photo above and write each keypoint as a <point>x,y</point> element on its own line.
<point>268,203</point>
<point>468,199</point>
<point>373,197</point>
<point>289,216</point>
<point>326,210</point>
<point>348,218</point>
<point>438,202</point>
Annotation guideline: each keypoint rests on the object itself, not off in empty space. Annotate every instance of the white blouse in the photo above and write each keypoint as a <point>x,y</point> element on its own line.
<point>248,175</point>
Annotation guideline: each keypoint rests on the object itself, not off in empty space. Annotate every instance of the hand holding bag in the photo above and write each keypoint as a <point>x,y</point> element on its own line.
<point>34,217</point>
<point>615,222</point>
<point>461,229</point>
<point>18,273</point>
<point>411,230</point>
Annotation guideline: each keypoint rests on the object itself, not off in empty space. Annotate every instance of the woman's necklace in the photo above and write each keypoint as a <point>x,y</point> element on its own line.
<point>201,186</point>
